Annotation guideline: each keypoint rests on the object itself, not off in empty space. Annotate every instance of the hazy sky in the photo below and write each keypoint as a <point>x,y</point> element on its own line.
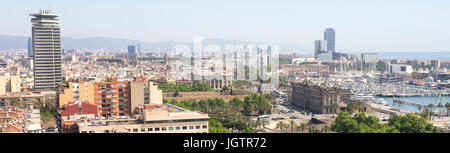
<point>372,25</point>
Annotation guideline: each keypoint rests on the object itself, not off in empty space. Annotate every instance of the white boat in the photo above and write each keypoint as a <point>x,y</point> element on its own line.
<point>382,102</point>
<point>365,98</point>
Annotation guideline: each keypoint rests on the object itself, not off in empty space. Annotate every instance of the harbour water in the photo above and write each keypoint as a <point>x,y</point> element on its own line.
<point>415,55</point>
<point>419,100</point>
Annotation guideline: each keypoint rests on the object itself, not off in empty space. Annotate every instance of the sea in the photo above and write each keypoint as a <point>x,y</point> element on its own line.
<point>419,100</point>
<point>415,55</point>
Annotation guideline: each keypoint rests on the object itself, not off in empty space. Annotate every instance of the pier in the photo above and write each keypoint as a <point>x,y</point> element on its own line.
<point>408,103</point>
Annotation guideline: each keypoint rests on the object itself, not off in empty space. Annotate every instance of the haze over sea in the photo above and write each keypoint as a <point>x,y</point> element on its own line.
<point>415,55</point>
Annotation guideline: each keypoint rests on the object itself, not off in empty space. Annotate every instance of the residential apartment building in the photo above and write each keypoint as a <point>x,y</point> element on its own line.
<point>75,90</point>
<point>144,92</point>
<point>70,113</point>
<point>112,97</point>
<point>10,84</point>
<point>15,83</point>
<point>3,82</point>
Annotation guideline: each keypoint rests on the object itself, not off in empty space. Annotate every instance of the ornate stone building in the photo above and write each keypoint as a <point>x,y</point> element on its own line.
<point>320,98</point>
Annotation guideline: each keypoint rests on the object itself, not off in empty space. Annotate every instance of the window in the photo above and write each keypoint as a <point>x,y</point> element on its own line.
<point>191,127</point>
<point>170,128</point>
<point>177,128</point>
<point>150,129</point>
<point>156,129</point>
<point>184,127</point>
<point>142,129</point>
<point>204,126</point>
<point>135,130</point>
<point>197,127</point>
<point>164,128</point>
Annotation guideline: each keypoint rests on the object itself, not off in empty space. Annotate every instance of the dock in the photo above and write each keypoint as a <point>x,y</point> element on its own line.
<point>408,103</point>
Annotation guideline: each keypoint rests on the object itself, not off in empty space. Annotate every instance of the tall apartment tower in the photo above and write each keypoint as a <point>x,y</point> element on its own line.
<point>329,36</point>
<point>46,42</point>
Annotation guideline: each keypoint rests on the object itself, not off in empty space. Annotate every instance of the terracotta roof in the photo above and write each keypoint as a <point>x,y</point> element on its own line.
<point>75,109</point>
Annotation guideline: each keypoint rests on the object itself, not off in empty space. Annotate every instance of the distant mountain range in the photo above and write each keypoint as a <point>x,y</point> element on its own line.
<point>7,42</point>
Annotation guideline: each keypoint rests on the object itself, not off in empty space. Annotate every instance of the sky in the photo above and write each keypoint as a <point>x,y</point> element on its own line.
<point>361,25</point>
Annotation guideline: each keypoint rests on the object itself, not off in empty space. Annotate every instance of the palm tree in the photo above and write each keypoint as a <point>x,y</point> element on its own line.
<point>281,125</point>
<point>351,107</point>
<point>447,105</point>
<point>335,107</point>
<point>257,123</point>
<point>325,128</point>
<point>431,106</point>
<point>313,129</point>
<point>303,126</point>
<point>440,106</point>
<point>264,122</point>
<point>292,124</point>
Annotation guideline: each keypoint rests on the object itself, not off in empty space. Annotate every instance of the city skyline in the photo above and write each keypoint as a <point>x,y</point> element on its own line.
<point>379,30</point>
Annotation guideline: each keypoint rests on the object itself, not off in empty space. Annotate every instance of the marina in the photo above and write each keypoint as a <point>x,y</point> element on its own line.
<point>412,103</point>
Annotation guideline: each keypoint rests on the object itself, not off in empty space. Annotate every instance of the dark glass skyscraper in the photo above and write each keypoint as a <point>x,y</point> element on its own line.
<point>330,36</point>
<point>131,51</point>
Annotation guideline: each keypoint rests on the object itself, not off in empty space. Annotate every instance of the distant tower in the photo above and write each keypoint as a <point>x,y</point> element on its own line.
<point>320,46</point>
<point>166,59</point>
<point>46,42</point>
<point>329,36</point>
<point>131,52</point>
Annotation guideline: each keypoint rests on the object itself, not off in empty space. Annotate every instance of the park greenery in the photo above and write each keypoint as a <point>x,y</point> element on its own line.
<point>249,130</point>
<point>284,60</point>
<point>360,123</point>
<point>184,87</point>
<point>216,127</point>
<point>233,114</point>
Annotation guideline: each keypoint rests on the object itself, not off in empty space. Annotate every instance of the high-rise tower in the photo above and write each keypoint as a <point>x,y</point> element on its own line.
<point>46,42</point>
<point>329,36</point>
<point>320,46</point>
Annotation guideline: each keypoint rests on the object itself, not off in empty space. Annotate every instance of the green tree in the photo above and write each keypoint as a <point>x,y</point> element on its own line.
<point>325,128</point>
<point>303,126</point>
<point>440,106</point>
<point>411,124</point>
<point>249,130</point>
<point>292,124</point>
<point>447,105</point>
<point>345,124</point>
<point>360,123</point>
<point>431,107</point>
<point>216,127</point>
